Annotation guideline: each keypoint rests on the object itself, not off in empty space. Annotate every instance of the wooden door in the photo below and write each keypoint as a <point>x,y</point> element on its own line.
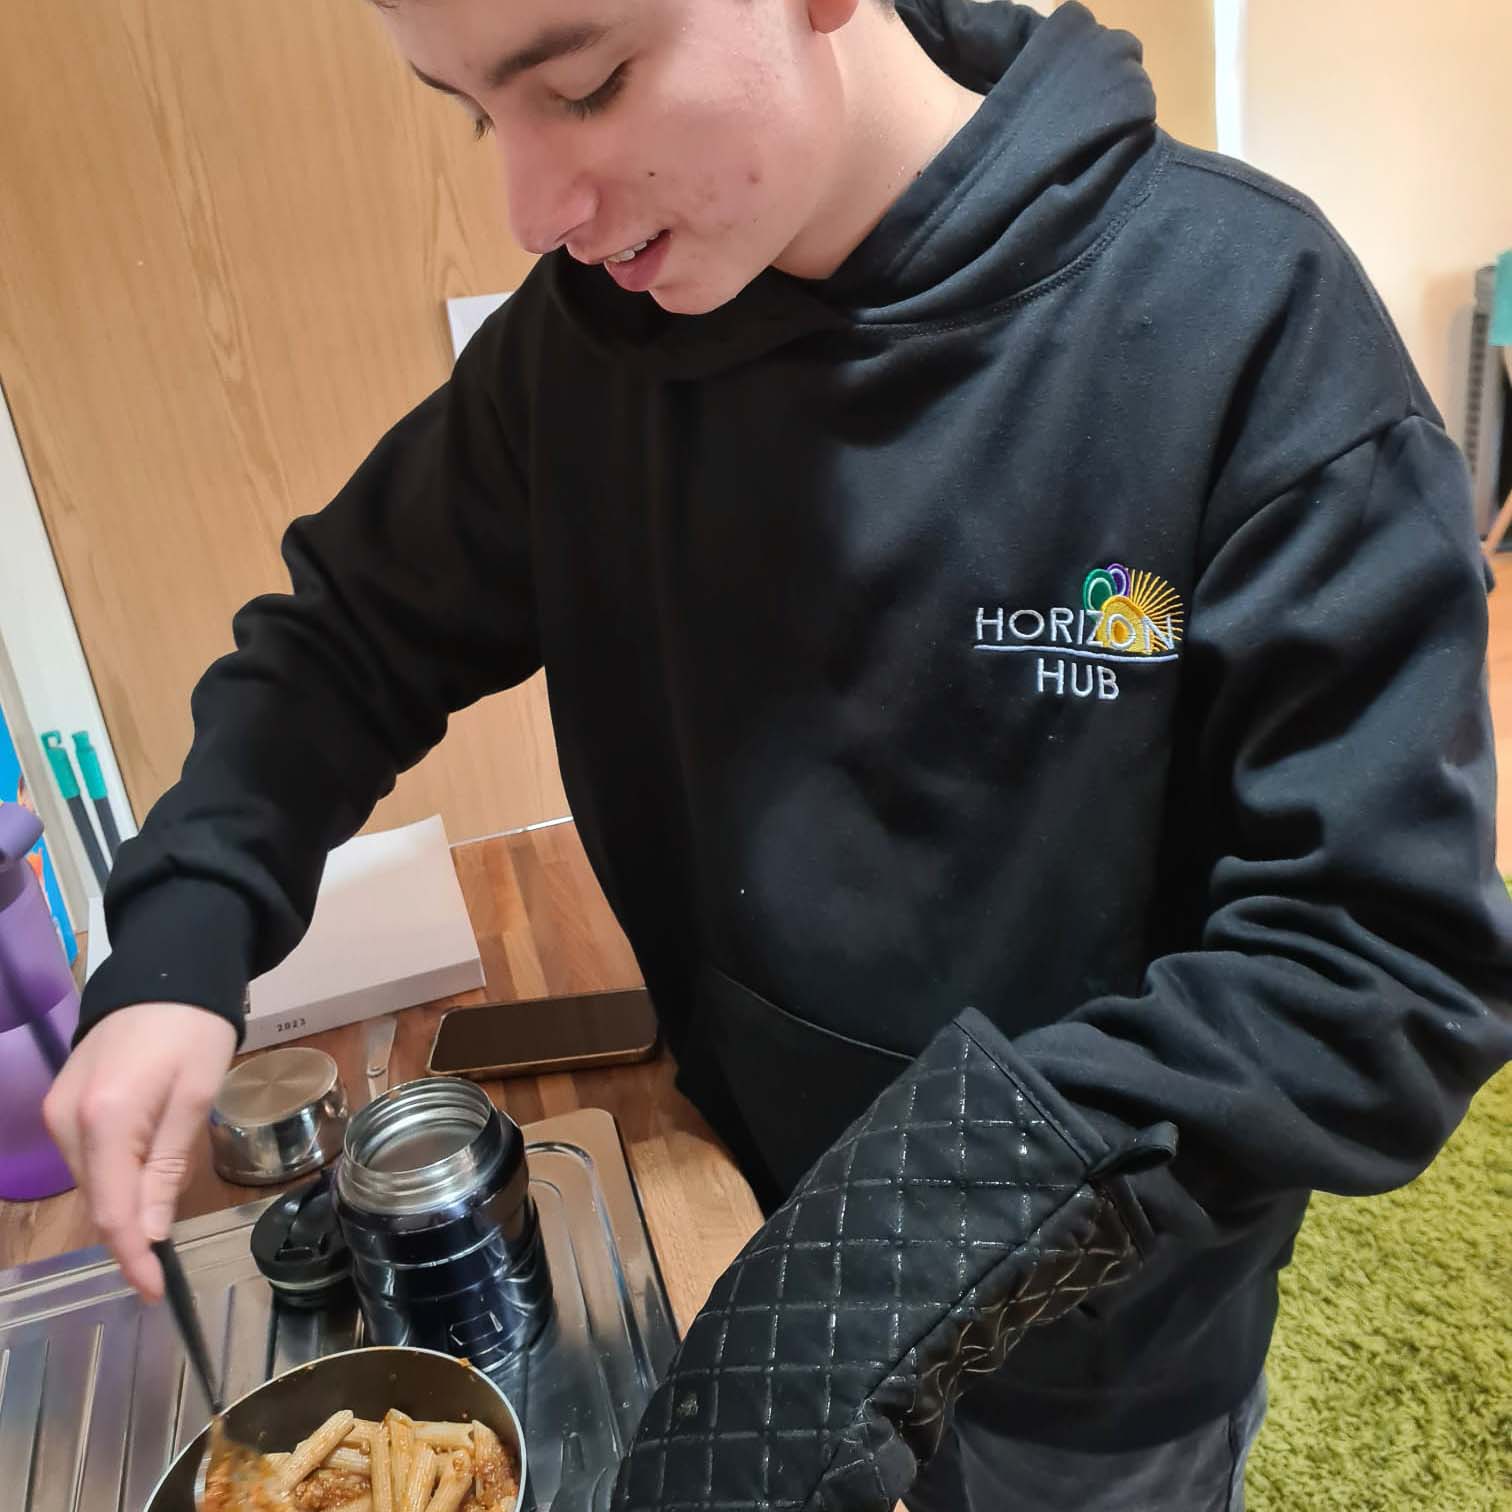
<point>226,234</point>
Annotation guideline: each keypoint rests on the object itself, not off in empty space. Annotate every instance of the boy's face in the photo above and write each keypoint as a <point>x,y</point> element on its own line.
<point>710,128</point>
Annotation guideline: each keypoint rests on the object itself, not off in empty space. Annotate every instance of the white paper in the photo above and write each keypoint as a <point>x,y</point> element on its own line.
<point>466,314</point>
<point>390,930</point>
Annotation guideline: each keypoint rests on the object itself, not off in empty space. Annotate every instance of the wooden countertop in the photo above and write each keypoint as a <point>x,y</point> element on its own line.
<point>543,928</point>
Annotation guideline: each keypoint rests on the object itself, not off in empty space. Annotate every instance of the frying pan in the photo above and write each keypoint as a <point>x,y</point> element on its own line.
<point>279,1413</point>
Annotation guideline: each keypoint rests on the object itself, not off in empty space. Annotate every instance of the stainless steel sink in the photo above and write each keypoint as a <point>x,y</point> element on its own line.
<point>95,1399</point>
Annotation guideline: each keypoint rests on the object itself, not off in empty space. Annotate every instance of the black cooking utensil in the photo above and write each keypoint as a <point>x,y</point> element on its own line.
<point>180,1297</point>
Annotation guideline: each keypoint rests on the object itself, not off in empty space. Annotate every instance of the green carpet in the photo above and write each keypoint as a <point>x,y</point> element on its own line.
<point>1391,1371</point>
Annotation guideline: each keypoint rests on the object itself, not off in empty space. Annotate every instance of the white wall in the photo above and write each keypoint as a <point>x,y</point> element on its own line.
<point>1396,117</point>
<point>42,647</point>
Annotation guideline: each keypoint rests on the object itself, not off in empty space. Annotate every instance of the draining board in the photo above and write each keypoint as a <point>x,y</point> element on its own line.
<point>96,1399</point>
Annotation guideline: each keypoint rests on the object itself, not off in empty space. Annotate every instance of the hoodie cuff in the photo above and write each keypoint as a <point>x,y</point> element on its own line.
<point>1125,1158</point>
<point>184,941</point>
<point>1156,1165</point>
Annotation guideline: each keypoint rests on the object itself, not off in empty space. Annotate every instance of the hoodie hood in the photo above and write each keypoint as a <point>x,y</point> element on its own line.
<point>1049,163</point>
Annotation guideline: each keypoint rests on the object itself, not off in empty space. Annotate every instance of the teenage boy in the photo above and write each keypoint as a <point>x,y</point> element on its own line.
<point>1016,643</point>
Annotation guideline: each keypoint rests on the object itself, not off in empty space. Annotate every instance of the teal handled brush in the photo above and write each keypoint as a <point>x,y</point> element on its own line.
<point>94,784</point>
<point>68,785</point>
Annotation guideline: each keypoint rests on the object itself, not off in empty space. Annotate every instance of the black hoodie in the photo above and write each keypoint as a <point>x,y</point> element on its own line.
<point>1071,609</point>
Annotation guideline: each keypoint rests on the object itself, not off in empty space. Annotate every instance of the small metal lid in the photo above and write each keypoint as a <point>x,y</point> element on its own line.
<point>274,1086</point>
<point>278,1115</point>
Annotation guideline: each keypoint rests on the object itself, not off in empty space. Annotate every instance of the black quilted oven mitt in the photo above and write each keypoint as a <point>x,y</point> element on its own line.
<point>969,1203</point>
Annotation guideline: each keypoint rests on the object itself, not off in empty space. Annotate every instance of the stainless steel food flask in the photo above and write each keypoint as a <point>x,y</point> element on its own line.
<point>433,1198</point>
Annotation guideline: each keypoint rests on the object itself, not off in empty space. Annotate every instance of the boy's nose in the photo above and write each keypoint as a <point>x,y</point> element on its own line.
<point>548,200</point>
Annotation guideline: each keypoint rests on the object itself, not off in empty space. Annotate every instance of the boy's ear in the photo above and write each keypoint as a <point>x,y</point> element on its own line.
<point>830,15</point>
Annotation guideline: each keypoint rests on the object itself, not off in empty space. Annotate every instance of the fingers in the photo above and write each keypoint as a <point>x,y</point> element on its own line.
<point>170,1157</point>
<point>60,1112</point>
<point>128,1112</point>
<point>116,1132</point>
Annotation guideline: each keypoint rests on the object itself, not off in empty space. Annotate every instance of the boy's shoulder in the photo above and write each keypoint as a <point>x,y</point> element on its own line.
<point>1265,248</point>
<point>1256,266</point>
<point>1245,190</point>
<point>1263,266</point>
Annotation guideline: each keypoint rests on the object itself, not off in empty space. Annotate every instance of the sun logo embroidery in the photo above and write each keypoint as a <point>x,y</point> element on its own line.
<point>1138,613</point>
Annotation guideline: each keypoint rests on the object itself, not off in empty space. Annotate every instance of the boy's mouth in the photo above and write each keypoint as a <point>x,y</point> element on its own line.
<point>636,268</point>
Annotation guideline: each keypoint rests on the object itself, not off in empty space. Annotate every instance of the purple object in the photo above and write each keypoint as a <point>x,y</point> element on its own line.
<point>39,1011</point>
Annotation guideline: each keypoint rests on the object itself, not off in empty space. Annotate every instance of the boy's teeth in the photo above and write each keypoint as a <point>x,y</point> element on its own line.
<point>629,252</point>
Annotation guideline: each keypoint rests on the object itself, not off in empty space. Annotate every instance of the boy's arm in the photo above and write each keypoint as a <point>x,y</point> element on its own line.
<point>1349,995</point>
<point>411,599</point>
<point>1352,984</point>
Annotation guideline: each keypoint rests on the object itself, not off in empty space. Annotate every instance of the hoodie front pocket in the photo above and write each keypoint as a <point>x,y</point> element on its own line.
<point>797,1085</point>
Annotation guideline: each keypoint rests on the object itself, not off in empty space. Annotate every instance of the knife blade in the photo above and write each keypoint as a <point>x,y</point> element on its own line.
<point>378,1046</point>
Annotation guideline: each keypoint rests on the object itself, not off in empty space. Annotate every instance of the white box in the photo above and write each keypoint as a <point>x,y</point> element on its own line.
<point>390,930</point>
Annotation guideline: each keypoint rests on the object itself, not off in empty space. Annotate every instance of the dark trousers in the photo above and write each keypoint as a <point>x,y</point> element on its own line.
<point>981,1470</point>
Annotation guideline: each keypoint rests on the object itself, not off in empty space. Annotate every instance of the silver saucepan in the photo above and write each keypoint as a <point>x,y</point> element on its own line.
<point>281,1412</point>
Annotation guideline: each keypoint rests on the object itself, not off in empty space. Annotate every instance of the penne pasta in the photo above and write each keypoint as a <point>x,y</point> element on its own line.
<point>422,1480</point>
<point>401,1450</point>
<point>491,1468</point>
<point>351,1464</point>
<point>445,1435</point>
<point>456,1481</point>
<point>383,1470</point>
<point>310,1454</point>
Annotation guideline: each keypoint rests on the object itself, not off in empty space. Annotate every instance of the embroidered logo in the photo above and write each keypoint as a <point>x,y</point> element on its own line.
<point>1125,617</point>
<point>1140,613</point>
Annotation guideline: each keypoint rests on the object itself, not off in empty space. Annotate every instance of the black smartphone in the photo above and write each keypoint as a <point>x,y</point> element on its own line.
<point>545,1034</point>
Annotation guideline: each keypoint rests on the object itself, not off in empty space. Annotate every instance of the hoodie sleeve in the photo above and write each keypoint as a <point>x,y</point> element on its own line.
<point>411,598</point>
<point>1351,988</point>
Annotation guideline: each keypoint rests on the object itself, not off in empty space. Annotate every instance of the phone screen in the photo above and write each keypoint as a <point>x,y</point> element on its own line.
<point>545,1034</point>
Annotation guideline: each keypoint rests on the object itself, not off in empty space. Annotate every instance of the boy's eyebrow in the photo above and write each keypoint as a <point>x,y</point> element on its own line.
<point>553,42</point>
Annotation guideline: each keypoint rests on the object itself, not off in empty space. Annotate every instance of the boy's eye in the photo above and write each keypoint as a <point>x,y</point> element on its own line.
<point>582,108</point>
<point>601,97</point>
